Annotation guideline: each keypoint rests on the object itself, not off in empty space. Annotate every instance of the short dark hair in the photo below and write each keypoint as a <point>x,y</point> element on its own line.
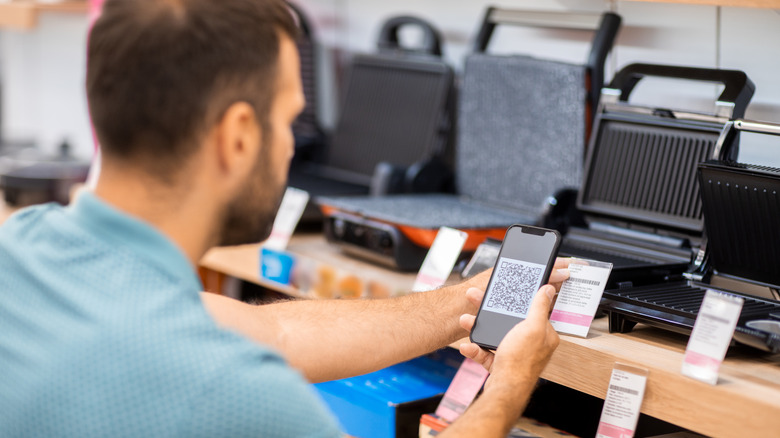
<point>161,72</point>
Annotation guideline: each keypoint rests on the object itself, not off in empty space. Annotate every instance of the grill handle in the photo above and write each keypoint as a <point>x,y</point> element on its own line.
<point>757,127</point>
<point>731,103</point>
<point>727,147</point>
<point>303,21</point>
<point>388,35</point>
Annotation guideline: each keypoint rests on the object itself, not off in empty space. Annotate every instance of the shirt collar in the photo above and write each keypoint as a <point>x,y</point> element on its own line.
<point>121,229</point>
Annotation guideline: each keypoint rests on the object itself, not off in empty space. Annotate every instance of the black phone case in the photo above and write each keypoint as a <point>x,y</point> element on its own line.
<point>545,278</point>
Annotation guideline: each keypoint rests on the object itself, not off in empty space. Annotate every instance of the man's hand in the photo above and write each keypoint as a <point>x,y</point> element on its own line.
<point>514,367</point>
<point>526,349</point>
<point>533,327</point>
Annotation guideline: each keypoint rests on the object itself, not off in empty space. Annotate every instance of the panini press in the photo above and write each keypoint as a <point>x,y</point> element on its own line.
<point>639,196</point>
<point>741,205</point>
<point>396,108</point>
<point>512,152</point>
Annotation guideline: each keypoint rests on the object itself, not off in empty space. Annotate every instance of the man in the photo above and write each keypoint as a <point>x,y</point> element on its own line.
<point>104,332</point>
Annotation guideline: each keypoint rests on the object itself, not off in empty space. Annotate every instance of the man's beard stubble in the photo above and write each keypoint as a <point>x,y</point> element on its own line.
<point>250,217</point>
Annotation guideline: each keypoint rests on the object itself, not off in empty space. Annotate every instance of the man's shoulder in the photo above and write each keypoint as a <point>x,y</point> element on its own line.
<point>28,217</point>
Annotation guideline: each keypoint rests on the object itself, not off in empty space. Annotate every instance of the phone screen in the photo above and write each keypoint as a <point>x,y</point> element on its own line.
<point>523,265</point>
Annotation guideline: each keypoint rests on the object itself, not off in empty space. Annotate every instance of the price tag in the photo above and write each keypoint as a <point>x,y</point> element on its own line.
<point>462,391</point>
<point>624,399</point>
<point>711,336</point>
<point>579,297</point>
<point>438,263</point>
<point>290,211</point>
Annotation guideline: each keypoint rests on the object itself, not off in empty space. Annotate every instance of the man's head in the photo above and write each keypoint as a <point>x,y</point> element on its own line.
<point>167,79</point>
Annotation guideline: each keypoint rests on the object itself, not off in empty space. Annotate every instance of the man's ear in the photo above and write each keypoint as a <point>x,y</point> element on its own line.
<point>237,140</point>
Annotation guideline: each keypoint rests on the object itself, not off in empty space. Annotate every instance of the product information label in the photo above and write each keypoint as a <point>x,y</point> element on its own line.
<point>462,391</point>
<point>711,336</point>
<point>579,297</point>
<point>624,399</point>
<point>290,211</point>
<point>441,258</point>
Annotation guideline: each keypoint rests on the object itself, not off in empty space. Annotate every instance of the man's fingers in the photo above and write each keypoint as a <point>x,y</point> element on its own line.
<point>477,354</point>
<point>559,276</point>
<point>467,321</point>
<point>542,302</point>
<point>562,262</point>
<point>475,295</point>
<point>480,280</point>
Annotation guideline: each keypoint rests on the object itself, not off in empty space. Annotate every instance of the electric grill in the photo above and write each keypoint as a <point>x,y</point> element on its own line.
<point>741,206</point>
<point>396,109</point>
<point>522,126</point>
<point>639,196</point>
<point>306,128</point>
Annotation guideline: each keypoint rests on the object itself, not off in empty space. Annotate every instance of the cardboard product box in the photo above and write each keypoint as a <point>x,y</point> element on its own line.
<point>389,403</point>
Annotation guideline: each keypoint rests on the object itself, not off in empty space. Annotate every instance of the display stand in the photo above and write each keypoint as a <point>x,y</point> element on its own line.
<point>746,401</point>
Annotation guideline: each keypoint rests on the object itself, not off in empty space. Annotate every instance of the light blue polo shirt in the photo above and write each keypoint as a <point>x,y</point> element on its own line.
<point>103,334</point>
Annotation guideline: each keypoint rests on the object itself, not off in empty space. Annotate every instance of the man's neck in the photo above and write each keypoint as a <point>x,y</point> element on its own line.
<point>182,214</point>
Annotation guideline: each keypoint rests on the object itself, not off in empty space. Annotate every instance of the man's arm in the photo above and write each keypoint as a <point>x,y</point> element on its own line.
<point>514,370</point>
<point>332,339</point>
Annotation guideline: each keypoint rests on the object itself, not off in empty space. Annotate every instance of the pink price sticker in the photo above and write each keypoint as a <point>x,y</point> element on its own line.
<point>711,336</point>
<point>571,318</point>
<point>579,297</point>
<point>609,431</point>
<point>462,391</point>
<point>625,393</point>
<point>430,280</point>
<point>441,258</point>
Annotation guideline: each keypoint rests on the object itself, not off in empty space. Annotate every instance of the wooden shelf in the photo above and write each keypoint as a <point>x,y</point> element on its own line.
<point>745,402</point>
<point>312,251</point>
<point>23,15</point>
<point>766,4</point>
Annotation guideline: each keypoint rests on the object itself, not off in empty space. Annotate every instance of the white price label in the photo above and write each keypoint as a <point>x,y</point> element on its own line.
<point>624,399</point>
<point>711,336</point>
<point>290,211</point>
<point>438,263</point>
<point>579,297</point>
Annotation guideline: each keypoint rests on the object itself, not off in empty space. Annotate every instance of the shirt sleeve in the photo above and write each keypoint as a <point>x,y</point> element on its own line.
<point>264,399</point>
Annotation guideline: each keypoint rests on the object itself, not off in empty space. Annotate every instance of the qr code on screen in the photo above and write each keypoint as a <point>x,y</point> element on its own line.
<point>513,286</point>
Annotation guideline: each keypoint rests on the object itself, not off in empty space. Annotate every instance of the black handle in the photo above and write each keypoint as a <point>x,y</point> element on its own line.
<point>388,35</point>
<point>600,47</point>
<point>738,89</point>
<point>485,31</point>
<point>303,21</point>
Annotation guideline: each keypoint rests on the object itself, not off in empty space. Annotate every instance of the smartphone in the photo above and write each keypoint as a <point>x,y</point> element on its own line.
<point>524,263</point>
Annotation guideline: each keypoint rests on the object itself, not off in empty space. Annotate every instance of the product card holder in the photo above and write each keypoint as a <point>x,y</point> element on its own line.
<point>484,258</point>
<point>275,263</point>
<point>711,336</point>
<point>441,258</point>
<point>464,388</point>
<point>287,217</point>
<point>580,296</point>
<point>623,402</point>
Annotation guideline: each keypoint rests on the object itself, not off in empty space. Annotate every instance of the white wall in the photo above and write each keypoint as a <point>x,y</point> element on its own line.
<point>706,36</point>
<point>42,74</point>
<point>42,71</point>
